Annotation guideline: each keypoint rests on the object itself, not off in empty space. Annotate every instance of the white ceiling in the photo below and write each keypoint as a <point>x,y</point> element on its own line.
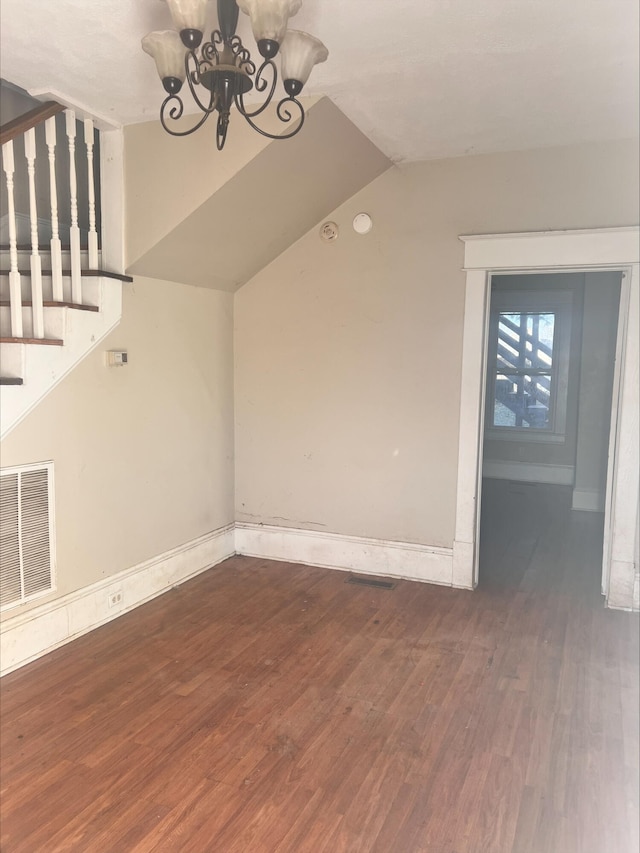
<point>421,78</point>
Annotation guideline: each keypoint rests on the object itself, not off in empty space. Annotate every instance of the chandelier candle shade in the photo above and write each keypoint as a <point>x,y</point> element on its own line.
<point>220,72</point>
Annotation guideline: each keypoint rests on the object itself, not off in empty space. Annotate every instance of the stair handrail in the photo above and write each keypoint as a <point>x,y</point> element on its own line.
<point>21,124</point>
<point>24,127</point>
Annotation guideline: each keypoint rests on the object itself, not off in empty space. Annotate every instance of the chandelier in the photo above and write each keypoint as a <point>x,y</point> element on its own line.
<point>220,72</point>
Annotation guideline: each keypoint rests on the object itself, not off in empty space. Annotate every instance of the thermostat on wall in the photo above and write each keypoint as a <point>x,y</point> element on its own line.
<point>117,358</point>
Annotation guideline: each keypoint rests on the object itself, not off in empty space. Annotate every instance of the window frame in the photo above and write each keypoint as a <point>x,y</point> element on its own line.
<point>560,304</point>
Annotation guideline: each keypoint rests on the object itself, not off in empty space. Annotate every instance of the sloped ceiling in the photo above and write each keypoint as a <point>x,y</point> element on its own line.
<point>283,191</point>
<point>421,78</point>
<point>406,80</point>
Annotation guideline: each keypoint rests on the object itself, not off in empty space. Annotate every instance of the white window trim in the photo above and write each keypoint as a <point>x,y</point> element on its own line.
<point>534,252</point>
<point>558,302</point>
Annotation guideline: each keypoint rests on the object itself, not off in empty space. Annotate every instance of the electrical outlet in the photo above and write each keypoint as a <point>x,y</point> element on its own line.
<point>115,598</point>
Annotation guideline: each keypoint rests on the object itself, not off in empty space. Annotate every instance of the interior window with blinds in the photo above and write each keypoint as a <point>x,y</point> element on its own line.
<point>26,533</point>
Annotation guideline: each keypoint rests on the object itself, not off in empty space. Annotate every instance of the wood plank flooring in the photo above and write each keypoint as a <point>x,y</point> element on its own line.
<point>269,707</point>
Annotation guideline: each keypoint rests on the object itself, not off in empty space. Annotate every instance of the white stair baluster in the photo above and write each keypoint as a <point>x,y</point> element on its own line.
<point>76,280</point>
<point>56,245</point>
<point>93,234</point>
<point>15,287</point>
<point>36,262</point>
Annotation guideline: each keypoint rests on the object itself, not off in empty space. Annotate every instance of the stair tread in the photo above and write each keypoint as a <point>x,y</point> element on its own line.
<point>11,380</point>
<point>87,273</point>
<point>49,303</point>
<point>50,342</point>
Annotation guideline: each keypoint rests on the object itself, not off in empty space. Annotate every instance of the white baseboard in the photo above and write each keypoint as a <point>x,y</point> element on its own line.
<point>528,472</point>
<point>346,553</point>
<point>30,635</point>
<point>624,586</point>
<point>463,564</point>
<point>587,500</point>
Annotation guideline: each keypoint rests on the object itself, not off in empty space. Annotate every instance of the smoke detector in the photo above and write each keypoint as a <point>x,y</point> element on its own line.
<point>329,231</point>
<point>362,223</point>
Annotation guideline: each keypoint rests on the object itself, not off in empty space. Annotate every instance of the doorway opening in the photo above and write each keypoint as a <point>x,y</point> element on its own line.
<point>593,250</point>
<point>551,353</point>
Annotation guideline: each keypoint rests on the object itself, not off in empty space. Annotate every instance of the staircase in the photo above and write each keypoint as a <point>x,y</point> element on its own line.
<point>56,301</point>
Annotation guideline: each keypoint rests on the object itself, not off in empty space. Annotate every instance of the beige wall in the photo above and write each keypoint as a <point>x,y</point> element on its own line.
<point>168,177</point>
<point>347,355</point>
<point>143,454</point>
<point>347,373</point>
<point>601,301</point>
<point>270,201</point>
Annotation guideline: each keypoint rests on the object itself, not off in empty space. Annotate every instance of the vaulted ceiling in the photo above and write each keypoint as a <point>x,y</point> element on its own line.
<point>420,78</point>
<point>229,225</point>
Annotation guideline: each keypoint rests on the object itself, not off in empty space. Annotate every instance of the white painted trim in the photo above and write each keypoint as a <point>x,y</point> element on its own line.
<point>610,248</point>
<point>623,308</point>
<point>34,633</point>
<point>45,367</point>
<point>587,500</point>
<point>528,472</point>
<point>469,486</point>
<point>625,451</point>
<point>347,553</point>
<point>552,249</point>
<point>622,586</point>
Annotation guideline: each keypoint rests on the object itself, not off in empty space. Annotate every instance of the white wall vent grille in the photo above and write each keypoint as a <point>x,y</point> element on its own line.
<point>27,561</point>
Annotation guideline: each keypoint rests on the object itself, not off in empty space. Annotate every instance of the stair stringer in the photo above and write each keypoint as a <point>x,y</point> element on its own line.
<point>45,366</point>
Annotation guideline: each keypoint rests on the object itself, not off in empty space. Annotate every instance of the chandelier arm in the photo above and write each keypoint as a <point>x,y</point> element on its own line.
<point>284,114</point>
<point>210,58</point>
<point>193,80</point>
<point>243,55</point>
<point>210,49</point>
<point>261,82</point>
<point>175,113</point>
<point>207,110</point>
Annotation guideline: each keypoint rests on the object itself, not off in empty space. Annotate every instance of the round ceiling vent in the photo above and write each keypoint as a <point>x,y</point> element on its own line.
<point>329,231</point>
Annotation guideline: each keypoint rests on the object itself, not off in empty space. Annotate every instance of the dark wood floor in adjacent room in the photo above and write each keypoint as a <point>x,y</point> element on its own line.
<point>270,707</point>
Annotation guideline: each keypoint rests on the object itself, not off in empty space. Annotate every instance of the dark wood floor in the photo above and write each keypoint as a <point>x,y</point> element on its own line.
<point>269,707</point>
